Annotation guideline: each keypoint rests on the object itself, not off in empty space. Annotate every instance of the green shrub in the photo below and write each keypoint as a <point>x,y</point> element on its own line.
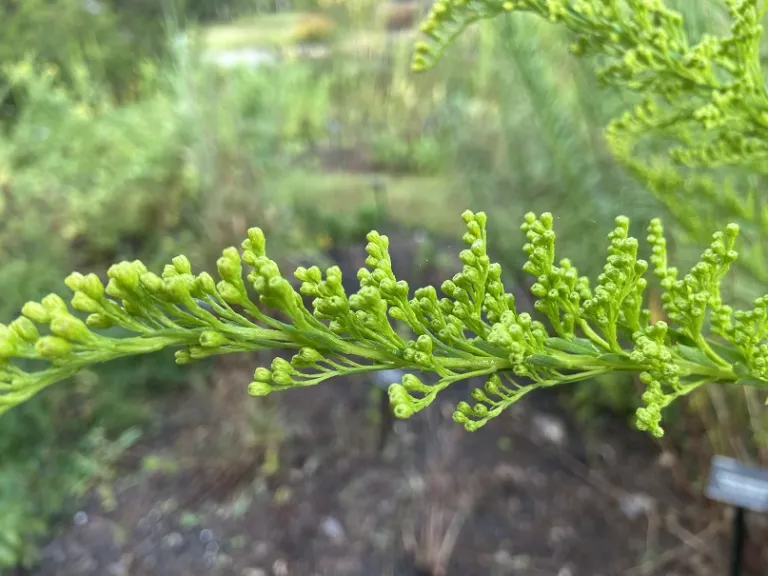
<point>172,162</point>
<point>314,29</point>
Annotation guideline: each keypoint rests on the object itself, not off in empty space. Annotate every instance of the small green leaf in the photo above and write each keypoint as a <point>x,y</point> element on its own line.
<point>617,360</point>
<point>694,355</point>
<point>681,338</point>
<point>741,370</point>
<point>580,346</point>
<point>544,361</point>
<point>486,347</point>
<point>731,355</point>
<point>751,382</point>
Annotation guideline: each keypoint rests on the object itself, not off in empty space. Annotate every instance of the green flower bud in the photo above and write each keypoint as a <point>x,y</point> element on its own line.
<point>36,312</point>
<point>83,303</point>
<point>205,283</point>
<point>460,418</point>
<point>54,303</point>
<point>75,281</point>
<point>403,411</point>
<point>99,321</point>
<point>182,264</point>
<point>229,266</point>
<point>70,328</point>
<point>25,328</point>
<point>424,343</point>
<point>397,313</point>
<point>283,379</point>
<point>211,339</point>
<point>183,357</point>
<point>282,365</point>
<point>310,355</point>
<point>153,283</point>
<point>262,374</point>
<point>493,385</point>
<point>411,383</point>
<point>280,287</point>
<point>464,408</point>
<point>479,396</point>
<point>198,352</point>
<point>126,275</point>
<point>114,290</point>
<point>259,389</point>
<point>169,271</point>
<point>257,242</point>
<point>481,410</point>
<point>468,258</point>
<point>229,292</point>
<point>53,347</point>
<point>179,288</point>
<point>8,342</point>
<point>93,287</point>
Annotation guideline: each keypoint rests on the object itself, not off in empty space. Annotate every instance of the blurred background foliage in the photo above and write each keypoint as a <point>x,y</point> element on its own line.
<point>140,129</point>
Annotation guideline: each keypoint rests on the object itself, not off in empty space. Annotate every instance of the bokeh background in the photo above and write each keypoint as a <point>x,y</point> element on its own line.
<point>143,129</point>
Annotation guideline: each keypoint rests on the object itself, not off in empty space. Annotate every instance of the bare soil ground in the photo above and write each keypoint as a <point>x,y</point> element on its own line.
<point>295,485</point>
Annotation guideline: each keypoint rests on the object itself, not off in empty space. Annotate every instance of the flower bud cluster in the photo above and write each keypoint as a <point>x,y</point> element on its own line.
<point>559,289</point>
<point>490,400</point>
<point>618,297</point>
<point>651,351</point>
<point>686,300</point>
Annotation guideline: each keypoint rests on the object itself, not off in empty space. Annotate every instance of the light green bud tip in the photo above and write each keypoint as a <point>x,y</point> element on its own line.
<point>229,266</point>
<point>84,303</point>
<point>403,411</point>
<point>182,264</point>
<point>53,347</point>
<point>262,375</point>
<point>259,389</point>
<point>99,321</point>
<point>7,344</point>
<point>93,287</point>
<point>256,241</point>
<point>206,283</point>
<point>228,292</point>
<point>26,329</point>
<point>211,339</point>
<point>310,355</point>
<point>54,303</point>
<point>75,281</point>
<point>36,312</point>
<point>152,283</point>
<point>70,328</point>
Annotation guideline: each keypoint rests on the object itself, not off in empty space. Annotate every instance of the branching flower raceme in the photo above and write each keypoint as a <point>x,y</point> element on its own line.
<point>473,330</point>
<point>707,98</point>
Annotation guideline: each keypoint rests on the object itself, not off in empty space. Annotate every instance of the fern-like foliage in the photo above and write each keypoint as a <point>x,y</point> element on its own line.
<point>700,124</point>
<point>473,330</point>
<point>708,96</point>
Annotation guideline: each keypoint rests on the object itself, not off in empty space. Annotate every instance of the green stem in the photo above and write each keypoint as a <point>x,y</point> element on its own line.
<point>711,354</point>
<point>592,335</point>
